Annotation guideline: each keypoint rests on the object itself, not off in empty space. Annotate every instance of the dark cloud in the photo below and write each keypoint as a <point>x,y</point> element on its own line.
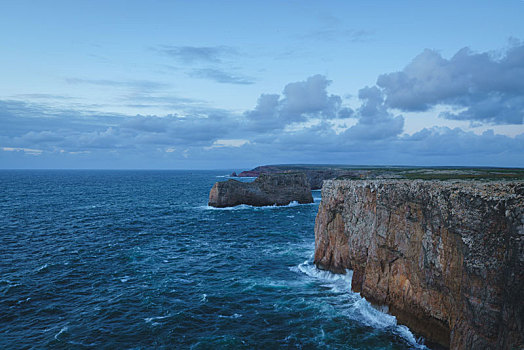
<point>456,143</point>
<point>374,120</point>
<point>305,123</point>
<point>220,76</point>
<point>197,54</point>
<point>25,124</point>
<point>310,97</point>
<point>309,100</point>
<point>482,87</point>
<point>300,102</point>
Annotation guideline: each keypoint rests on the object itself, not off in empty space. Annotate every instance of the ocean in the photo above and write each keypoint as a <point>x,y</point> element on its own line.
<point>137,260</point>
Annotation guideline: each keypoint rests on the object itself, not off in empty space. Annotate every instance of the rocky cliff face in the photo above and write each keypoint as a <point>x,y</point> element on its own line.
<point>446,257</point>
<point>267,189</point>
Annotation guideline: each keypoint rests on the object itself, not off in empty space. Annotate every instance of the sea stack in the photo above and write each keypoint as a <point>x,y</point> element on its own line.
<point>446,257</point>
<point>267,189</point>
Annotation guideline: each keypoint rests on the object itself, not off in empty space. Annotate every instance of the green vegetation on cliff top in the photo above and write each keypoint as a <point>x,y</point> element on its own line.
<point>405,172</point>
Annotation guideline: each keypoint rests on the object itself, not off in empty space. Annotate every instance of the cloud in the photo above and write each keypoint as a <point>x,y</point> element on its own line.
<point>309,102</point>
<point>303,123</point>
<point>197,54</point>
<point>335,34</point>
<point>35,126</point>
<point>220,76</point>
<point>228,143</point>
<point>457,143</point>
<point>31,151</point>
<point>375,122</point>
<point>144,85</point>
<point>300,102</point>
<point>481,87</point>
<point>164,101</point>
<point>42,97</point>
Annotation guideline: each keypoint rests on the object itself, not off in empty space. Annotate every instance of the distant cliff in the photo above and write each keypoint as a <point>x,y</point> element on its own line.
<point>447,257</point>
<point>267,189</point>
<point>315,174</point>
<point>318,173</point>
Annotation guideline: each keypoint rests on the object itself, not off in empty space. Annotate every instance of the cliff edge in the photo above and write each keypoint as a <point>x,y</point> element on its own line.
<point>446,257</point>
<point>267,189</point>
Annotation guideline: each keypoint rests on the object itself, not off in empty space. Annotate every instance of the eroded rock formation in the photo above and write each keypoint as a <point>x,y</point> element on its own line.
<point>267,189</point>
<point>446,257</point>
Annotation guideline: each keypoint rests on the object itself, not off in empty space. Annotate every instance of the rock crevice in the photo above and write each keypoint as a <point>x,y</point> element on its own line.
<point>446,257</point>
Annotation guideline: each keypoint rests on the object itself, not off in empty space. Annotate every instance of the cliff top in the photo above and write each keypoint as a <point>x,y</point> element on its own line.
<point>488,189</point>
<point>394,172</point>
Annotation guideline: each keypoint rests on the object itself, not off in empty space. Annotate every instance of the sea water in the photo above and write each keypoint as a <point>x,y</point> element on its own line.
<point>137,260</point>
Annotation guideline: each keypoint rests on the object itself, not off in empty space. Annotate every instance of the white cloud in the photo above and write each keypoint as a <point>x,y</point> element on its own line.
<point>31,151</point>
<point>228,143</point>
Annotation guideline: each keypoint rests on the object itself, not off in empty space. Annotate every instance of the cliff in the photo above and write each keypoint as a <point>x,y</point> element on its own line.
<point>318,173</point>
<point>446,257</point>
<point>315,174</point>
<point>267,189</point>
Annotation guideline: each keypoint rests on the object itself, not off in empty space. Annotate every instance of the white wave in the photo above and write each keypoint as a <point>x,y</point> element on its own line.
<point>151,319</point>
<point>23,301</point>
<point>124,279</point>
<point>43,267</point>
<point>363,311</point>
<point>252,207</point>
<point>230,316</point>
<point>358,308</point>
<point>312,271</point>
<point>370,316</point>
<point>405,333</point>
<point>63,330</point>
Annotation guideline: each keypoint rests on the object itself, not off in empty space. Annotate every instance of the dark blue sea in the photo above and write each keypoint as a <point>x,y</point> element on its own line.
<point>137,260</point>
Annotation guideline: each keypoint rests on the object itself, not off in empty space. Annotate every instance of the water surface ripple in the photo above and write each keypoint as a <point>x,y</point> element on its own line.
<point>136,259</point>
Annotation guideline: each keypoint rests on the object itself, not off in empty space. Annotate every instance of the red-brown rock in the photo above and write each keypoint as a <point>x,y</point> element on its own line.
<point>446,257</point>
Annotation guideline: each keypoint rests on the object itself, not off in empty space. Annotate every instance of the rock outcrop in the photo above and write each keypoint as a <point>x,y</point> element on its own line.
<point>267,189</point>
<point>446,257</point>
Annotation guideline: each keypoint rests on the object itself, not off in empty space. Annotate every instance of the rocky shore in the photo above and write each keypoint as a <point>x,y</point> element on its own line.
<point>446,257</point>
<point>267,189</point>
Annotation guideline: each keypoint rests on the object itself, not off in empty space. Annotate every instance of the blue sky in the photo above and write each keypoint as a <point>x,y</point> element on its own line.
<point>235,84</point>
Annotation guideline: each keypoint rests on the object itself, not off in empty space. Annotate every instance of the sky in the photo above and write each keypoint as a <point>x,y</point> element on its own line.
<point>235,84</point>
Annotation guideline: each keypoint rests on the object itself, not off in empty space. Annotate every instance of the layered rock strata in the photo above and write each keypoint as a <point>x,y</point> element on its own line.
<point>447,258</point>
<point>267,189</point>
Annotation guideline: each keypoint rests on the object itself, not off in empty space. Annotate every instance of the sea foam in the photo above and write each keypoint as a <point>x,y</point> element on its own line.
<point>252,207</point>
<point>358,308</point>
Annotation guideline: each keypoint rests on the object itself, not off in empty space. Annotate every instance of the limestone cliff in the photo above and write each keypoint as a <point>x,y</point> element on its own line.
<point>267,189</point>
<point>447,257</point>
